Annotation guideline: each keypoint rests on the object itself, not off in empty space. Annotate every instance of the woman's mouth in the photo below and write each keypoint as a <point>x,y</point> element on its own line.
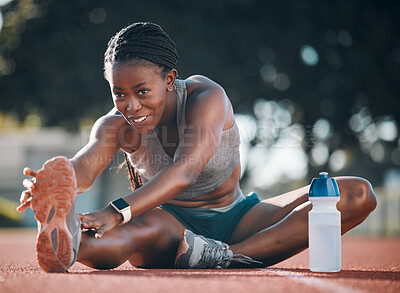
<point>138,120</point>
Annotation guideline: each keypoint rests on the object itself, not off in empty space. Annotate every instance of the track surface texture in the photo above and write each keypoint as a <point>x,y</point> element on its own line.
<point>368,265</point>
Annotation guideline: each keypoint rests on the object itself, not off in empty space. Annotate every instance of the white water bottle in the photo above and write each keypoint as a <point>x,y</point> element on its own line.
<point>324,226</point>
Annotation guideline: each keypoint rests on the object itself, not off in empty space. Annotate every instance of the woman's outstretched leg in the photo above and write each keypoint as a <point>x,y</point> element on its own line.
<point>149,240</point>
<point>277,228</point>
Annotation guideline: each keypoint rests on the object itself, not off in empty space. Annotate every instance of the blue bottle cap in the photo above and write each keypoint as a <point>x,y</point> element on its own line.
<point>323,186</point>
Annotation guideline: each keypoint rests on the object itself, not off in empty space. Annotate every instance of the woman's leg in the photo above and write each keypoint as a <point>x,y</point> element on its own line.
<point>277,228</point>
<point>149,240</point>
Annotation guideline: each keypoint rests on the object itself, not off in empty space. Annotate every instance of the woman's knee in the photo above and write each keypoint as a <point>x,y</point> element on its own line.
<point>370,198</point>
<point>99,253</point>
<point>117,245</point>
<point>365,195</point>
<point>357,196</point>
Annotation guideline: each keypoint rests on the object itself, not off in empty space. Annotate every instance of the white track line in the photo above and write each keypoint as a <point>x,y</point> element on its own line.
<point>315,282</point>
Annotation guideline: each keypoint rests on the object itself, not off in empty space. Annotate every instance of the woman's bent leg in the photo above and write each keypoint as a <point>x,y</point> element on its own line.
<point>277,228</point>
<point>149,240</point>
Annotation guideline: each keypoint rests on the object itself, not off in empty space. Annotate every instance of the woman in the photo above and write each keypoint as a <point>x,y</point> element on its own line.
<point>181,136</point>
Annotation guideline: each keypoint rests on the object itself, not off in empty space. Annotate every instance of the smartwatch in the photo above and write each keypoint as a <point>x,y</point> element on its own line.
<point>122,207</point>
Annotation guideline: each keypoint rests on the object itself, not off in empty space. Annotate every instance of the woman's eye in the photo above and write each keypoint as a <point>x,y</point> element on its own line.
<point>119,95</point>
<point>143,92</point>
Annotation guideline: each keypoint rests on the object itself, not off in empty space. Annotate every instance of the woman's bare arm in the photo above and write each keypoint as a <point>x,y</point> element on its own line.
<point>107,136</point>
<point>206,115</point>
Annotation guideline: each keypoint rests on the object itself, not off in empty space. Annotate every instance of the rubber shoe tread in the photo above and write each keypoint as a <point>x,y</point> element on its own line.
<point>53,197</point>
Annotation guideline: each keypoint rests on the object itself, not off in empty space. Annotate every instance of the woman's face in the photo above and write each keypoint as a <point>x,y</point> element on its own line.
<point>140,93</point>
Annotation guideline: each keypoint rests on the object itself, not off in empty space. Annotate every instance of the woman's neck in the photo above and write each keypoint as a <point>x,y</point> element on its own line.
<point>169,114</point>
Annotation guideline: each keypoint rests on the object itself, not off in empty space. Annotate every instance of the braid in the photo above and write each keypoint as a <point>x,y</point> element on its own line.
<point>134,175</point>
<point>141,41</point>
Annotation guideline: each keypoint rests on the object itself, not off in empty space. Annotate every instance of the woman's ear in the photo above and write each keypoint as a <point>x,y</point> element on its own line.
<point>170,79</point>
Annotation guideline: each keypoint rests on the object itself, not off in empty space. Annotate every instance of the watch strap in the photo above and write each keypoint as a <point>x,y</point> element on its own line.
<point>126,215</point>
<point>125,212</point>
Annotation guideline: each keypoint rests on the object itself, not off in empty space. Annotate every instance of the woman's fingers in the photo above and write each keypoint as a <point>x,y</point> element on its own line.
<point>25,201</point>
<point>22,207</point>
<point>28,184</point>
<point>25,196</point>
<point>95,221</point>
<point>29,172</point>
<point>89,222</point>
<point>99,233</point>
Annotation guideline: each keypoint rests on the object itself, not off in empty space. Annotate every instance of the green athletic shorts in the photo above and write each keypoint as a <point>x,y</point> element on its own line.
<point>216,223</point>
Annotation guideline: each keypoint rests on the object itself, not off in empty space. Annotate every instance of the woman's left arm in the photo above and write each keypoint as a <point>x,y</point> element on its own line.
<point>206,114</point>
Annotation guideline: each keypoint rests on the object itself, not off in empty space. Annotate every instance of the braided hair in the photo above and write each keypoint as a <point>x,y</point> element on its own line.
<point>141,41</point>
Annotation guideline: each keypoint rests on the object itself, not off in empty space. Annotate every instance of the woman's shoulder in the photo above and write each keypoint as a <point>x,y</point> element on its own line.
<point>113,127</point>
<point>200,83</point>
<point>201,89</point>
<point>112,118</point>
<point>110,124</point>
<point>206,99</point>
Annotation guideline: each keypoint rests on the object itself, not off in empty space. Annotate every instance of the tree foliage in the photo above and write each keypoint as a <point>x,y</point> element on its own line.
<point>330,58</point>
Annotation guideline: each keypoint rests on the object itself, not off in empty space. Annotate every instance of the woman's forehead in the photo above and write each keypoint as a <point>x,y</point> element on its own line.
<point>133,73</point>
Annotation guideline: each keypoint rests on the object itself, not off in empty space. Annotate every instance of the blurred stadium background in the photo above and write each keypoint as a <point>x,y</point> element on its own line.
<point>315,85</point>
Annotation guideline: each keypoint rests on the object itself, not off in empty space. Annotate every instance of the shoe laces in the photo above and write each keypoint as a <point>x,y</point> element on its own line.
<point>215,256</point>
<point>219,257</point>
<point>245,259</point>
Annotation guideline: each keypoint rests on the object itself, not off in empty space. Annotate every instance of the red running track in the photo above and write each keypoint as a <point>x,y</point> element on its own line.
<point>369,265</point>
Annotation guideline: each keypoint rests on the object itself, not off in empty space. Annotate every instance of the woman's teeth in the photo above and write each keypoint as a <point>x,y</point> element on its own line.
<point>141,119</point>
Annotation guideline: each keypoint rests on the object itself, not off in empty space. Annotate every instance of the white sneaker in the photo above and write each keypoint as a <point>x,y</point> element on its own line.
<point>199,252</point>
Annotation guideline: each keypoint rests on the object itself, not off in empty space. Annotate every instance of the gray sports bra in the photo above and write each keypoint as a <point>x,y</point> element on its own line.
<point>151,157</point>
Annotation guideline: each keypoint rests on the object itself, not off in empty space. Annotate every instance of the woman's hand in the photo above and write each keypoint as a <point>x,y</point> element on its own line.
<point>26,195</point>
<point>101,221</point>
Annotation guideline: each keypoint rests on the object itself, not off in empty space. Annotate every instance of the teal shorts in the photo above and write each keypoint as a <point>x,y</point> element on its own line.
<point>216,223</point>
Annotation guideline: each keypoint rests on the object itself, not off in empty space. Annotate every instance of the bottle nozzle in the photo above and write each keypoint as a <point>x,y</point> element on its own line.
<point>323,174</point>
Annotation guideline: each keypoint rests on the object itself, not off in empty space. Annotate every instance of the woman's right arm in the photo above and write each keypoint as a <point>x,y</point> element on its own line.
<point>107,136</point>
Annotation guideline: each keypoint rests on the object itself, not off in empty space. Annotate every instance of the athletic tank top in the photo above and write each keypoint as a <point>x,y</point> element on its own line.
<point>150,157</point>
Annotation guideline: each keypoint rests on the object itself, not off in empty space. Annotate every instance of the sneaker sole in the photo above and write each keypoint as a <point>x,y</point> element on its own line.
<point>184,251</point>
<point>52,200</point>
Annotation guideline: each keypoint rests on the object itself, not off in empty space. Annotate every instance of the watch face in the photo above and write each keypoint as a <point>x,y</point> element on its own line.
<point>120,204</point>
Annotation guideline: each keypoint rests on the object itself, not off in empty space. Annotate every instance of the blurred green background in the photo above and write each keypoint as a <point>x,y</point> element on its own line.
<point>315,85</point>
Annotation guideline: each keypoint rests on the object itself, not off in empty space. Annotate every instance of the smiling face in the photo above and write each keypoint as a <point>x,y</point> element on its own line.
<point>141,93</point>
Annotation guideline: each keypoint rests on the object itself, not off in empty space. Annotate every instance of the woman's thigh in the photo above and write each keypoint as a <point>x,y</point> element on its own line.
<point>267,213</point>
<point>148,240</point>
<point>357,200</point>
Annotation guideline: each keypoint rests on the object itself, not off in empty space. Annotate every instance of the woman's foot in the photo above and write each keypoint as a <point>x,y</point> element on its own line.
<point>199,252</point>
<point>54,205</point>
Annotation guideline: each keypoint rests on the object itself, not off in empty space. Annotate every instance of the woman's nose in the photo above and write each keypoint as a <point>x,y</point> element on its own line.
<point>134,105</point>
